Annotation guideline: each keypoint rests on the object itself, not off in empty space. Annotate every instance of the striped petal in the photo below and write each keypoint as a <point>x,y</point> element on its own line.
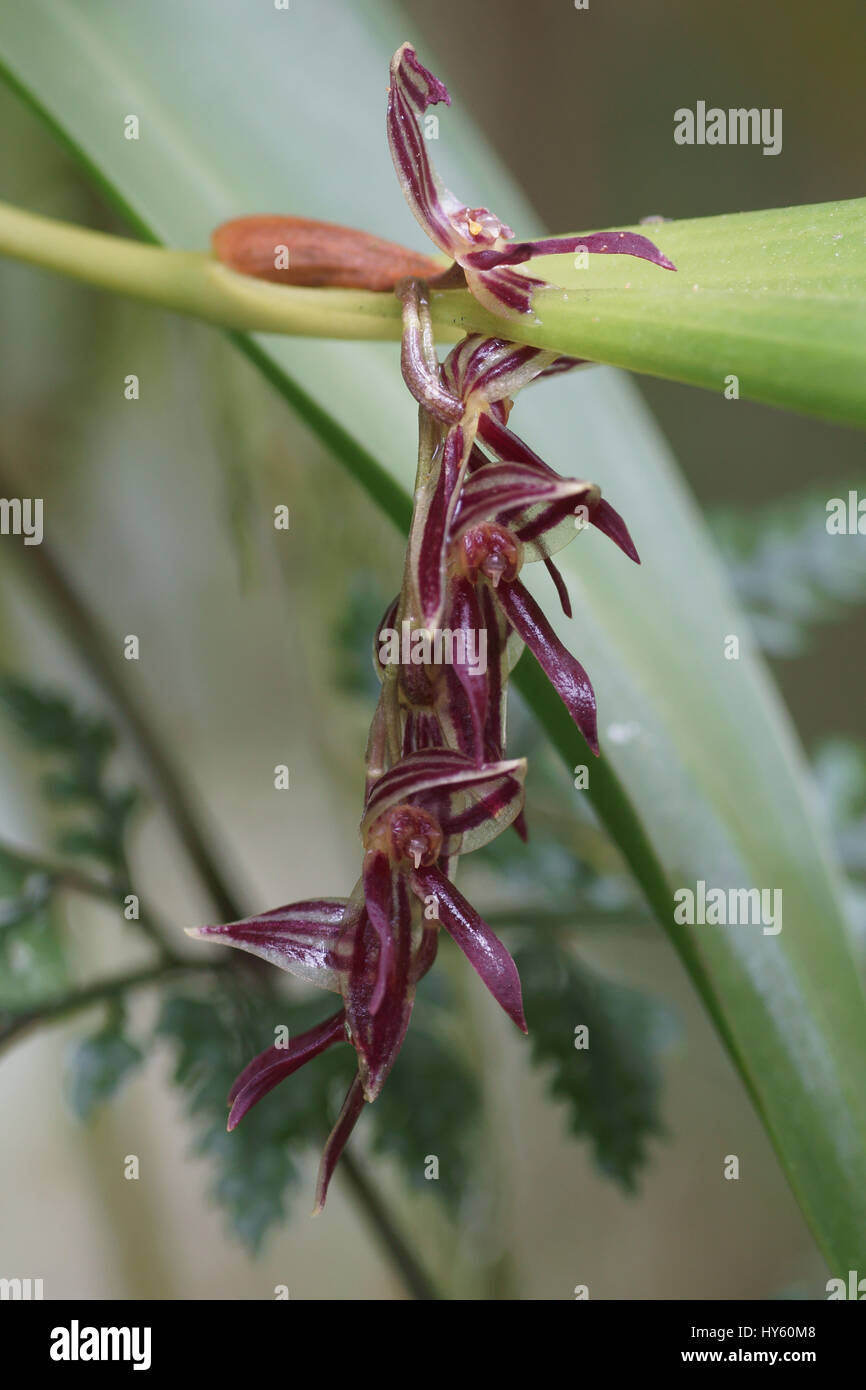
<point>473,804</point>
<point>481,947</point>
<point>336,1141</point>
<point>494,369</point>
<point>565,674</point>
<point>379,900</point>
<point>273,1065</point>
<point>455,228</point>
<point>609,521</point>
<point>507,447</point>
<point>300,938</point>
<point>377,1036</point>
<point>597,243</point>
<point>464,615</point>
<point>522,496</point>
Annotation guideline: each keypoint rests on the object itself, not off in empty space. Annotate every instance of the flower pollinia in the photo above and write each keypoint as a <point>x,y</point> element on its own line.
<point>439,783</point>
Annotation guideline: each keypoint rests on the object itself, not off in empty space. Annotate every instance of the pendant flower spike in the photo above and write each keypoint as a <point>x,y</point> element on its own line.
<point>475,238</point>
<point>439,783</point>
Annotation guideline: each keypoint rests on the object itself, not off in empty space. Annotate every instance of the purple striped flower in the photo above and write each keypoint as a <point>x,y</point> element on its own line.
<point>372,948</point>
<point>482,246</point>
<point>478,517</point>
<point>438,782</point>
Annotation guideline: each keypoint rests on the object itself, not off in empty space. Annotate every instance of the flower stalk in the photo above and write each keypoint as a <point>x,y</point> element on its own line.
<point>439,783</point>
<point>196,284</point>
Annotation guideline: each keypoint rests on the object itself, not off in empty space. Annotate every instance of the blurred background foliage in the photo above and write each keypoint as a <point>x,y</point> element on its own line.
<point>167,507</point>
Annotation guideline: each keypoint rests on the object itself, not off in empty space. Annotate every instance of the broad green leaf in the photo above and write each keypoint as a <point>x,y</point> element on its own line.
<point>244,110</point>
<point>776,299</point>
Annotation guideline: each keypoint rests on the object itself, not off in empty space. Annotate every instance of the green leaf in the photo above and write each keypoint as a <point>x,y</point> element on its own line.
<point>32,959</point>
<point>98,1066</point>
<point>716,783</point>
<point>256,1166</point>
<point>608,1077</point>
<point>776,299</point>
<point>79,745</point>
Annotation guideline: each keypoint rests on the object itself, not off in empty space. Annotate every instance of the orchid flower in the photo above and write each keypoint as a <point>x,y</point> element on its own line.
<point>477,241</point>
<point>476,520</point>
<point>373,948</point>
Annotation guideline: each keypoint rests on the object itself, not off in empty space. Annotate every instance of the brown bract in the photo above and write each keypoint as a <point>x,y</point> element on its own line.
<point>301,251</point>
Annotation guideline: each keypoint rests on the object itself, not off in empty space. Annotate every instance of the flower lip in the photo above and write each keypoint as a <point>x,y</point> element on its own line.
<point>489,549</point>
<point>407,834</point>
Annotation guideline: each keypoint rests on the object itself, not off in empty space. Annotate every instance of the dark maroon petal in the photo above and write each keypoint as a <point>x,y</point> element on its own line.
<point>467,362</point>
<point>509,489</point>
<point>378,898</point>
<point>455,717</point>
<point>464,615</point>
<point>497,674</point>
<point>503,289</point>
<point>412,90</point>
<point>483,819</point>
<point>493,368</point>
<point>300,937</point>
<point>377,1038</point>
<point>606,243</point>
<point>336,1142</point>
<point>473,804</point>
<point>565,364</point>
<point>484,951</point>
<point>543,519</point>
<point>429,561</point>
<point>565,674</point>
<point>508,447</point>
<point>273,1065</point>
<point>561,589</point>
<point>454,227</point>
<point>427,550</point>
<point>545,529</point>
<point>425,953</point>
<point>440,771</point>
<point>422,731</point>
<point>519,824</point>
<point>611,523</point>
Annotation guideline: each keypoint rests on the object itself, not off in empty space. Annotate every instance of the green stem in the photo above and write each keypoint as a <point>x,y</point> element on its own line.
<point>101,991</point>
<point>369,1199</point>
<point>113,891</point>
<point>63,875</point>
<point>195,283</point>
